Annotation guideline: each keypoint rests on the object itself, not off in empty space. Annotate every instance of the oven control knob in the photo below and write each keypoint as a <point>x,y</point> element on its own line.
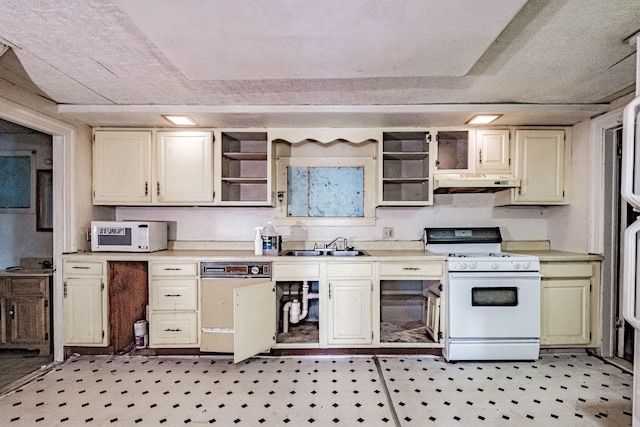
<point>516,265</point>
<point>526,265</point>
<point>463,265</point>
<point>473,265</point>
<point>255,269</point>
<point>494,266</point>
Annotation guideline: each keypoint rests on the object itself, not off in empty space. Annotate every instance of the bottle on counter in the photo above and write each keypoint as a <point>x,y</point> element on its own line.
<point>270,241</point>
<point>257,243</point>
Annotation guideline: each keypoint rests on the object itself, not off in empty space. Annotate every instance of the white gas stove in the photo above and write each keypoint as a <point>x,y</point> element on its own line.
<point>493,297</point>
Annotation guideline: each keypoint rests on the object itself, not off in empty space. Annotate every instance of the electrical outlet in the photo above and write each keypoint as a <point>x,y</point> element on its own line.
<point>387,232</point>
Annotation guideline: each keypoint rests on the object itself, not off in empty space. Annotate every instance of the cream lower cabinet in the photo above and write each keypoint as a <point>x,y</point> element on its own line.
<point>173,304</point>
<point>569,304</point>
<point>349,300</point>
<point>86,306</point>
<point>410,304</point>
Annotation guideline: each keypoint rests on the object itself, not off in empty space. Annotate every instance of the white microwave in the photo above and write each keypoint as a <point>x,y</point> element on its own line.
<point>128,236</point>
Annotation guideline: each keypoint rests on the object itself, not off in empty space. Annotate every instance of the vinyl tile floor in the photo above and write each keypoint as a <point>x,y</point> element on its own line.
<point>557,390</point>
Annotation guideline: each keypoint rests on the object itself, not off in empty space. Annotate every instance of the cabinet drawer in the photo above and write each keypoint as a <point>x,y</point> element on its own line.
<point>27,286</point>
<point>351,269</point>
<point>566,269</point>
<point>295,270</point>
<point>176,294</point>
<point>174,269</point>
<point>171,329</point>
<point>411,269</point>
<point>82,268</point>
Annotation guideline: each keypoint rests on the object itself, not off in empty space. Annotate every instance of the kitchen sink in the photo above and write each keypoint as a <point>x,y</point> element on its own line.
<point>321,252</point>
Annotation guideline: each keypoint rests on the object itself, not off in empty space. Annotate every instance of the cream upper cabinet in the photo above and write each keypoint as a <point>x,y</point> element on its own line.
<point>542,159</point>
<point>185,167</point>
<point>455,153</point>
<point>122,167</point>
<point>142,167</point>
<point>492,151</point>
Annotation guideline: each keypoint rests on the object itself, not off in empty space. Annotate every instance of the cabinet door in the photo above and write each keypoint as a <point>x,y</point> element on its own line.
<point>185,167</point>
<point>27,320</point>
<point>492,151</point>
<point>541,166</point>
<point>565,312</point>
<point>122,167</point>
<point>254,319</point>
<point>350,312</point>
<point>84,312</point>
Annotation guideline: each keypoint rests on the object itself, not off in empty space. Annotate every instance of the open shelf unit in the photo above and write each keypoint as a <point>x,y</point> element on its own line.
<point>245,167</point>
<point>406,168</point>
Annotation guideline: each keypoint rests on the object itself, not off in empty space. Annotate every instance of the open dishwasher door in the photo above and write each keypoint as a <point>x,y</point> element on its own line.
<point>238,316</point>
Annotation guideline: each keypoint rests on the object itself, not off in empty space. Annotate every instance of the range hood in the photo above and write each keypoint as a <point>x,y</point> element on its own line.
<point>473,182</point>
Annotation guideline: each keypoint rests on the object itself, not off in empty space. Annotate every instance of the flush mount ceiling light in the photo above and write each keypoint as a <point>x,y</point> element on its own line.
<point>180,120</point>
<point>483,119</point>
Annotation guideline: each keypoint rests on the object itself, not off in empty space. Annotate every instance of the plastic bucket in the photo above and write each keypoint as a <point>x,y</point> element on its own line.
<point>141,333</point>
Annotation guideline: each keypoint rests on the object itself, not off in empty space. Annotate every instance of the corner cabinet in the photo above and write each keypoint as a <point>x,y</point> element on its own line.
<point>542,162</point>
<point>146,167</point>
<point>86,306</point>
<point>406,163</point>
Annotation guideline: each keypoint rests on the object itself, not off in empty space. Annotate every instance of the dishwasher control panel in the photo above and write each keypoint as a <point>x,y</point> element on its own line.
<point>214,269</point>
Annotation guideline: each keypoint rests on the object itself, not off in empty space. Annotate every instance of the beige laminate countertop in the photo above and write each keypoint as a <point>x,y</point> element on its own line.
<point>241,255</point>
<point>559,256</point>
<point>29,272</point>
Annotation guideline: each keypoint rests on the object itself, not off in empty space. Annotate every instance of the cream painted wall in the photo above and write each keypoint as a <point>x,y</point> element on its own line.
<point>568,225</point>
<point>237,224</point>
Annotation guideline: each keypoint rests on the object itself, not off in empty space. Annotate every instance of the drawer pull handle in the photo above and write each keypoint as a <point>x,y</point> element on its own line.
<point>80,267</point>
<point>172,295</point>
<point>411,268</point>
<point>173,330</point>
<point>172,269</point>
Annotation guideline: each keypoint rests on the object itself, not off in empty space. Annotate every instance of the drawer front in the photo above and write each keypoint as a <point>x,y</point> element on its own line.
<point>411,269</point>
<point>27,286</point>
<point>566,269</point>
<point>177,294</point>
<point>82,268</point>
<point>296,270</point>
<point>169,329</point>
<point>174,269</point>
<point>351,269</point>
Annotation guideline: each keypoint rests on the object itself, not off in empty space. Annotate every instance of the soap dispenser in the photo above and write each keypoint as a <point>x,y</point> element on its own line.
<point>257,243</point>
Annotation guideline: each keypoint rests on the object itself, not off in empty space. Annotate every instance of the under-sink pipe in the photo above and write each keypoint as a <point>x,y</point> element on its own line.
<point>294,311</point>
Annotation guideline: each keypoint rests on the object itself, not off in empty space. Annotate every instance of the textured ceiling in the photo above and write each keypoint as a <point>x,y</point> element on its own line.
<point>337,63</point>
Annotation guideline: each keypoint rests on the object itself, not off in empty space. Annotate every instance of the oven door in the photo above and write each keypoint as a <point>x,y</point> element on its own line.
<point>494,305</point>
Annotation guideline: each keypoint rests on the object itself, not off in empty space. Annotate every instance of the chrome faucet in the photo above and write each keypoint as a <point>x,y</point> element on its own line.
<point>334,242</point>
